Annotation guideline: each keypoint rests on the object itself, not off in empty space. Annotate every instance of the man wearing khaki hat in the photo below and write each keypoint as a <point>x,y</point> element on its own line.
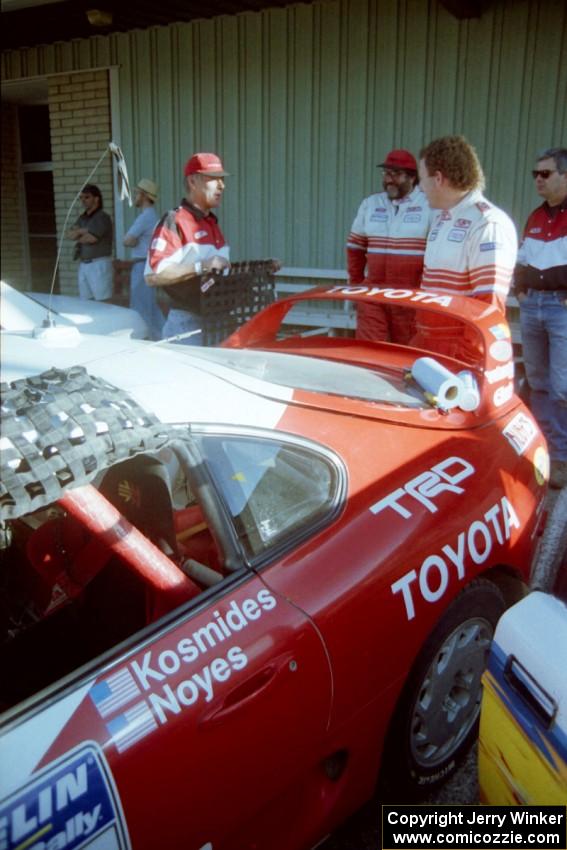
<point>188,243</point>
<point>142,297</point>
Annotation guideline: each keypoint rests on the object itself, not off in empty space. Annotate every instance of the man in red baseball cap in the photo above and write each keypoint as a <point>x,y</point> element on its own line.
<point>400,160</point>
<point>386,245</point>
<point>187,244</point>
<point>208,164</point>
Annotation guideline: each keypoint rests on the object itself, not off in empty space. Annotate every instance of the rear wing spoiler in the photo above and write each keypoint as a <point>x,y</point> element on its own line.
<point>494,369</point>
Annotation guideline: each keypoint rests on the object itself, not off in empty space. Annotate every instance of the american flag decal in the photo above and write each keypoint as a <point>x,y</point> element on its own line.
<point>132,726</point>
<point>114,692</point>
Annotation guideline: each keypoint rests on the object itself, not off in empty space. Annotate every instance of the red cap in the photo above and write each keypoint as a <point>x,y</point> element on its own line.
<point>205,163</point>
<point>399,159</point>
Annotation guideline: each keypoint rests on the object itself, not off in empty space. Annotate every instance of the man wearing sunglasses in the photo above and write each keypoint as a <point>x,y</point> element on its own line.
<point>387,242</point>
<point>540,282</point>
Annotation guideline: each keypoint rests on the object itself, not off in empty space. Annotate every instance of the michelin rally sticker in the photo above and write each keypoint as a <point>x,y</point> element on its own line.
<point>71,804</point>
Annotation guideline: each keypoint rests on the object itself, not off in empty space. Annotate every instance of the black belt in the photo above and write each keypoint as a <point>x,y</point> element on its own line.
<point>549,291</point>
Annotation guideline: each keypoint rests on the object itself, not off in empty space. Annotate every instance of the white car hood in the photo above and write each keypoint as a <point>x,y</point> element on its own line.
<point>26,311</point>
<point>165,379</point>
<point>94,317</point>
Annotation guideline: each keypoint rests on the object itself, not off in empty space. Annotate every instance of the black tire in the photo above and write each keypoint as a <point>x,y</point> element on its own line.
<point>560,586</point>
<point>550,569</point>
<point>436,719</point>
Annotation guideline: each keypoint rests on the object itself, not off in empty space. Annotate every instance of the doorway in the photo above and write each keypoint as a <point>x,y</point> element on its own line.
<point>37,170</point>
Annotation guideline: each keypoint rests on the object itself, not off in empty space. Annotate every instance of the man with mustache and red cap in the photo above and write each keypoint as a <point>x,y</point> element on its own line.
<point>386,246</point>
<point>187,244</point>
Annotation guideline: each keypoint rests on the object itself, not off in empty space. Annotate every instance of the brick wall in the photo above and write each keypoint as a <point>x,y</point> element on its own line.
<point>13,264</point>
<point>79,112</point>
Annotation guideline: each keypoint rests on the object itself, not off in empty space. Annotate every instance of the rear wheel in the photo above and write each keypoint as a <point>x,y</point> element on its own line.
<point>437,716</point>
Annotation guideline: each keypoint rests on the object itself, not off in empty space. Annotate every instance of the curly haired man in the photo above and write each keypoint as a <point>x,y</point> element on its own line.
<point>472,245</point>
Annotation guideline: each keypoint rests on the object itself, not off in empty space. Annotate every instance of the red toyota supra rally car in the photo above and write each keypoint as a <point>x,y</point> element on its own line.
<point>238,584</point>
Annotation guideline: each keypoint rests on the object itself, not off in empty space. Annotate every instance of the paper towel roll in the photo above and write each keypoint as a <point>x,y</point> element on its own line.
<point>470,396</point>
<point>438,381</point>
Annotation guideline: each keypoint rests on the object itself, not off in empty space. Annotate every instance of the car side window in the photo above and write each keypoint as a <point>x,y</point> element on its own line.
<point>273,490</point>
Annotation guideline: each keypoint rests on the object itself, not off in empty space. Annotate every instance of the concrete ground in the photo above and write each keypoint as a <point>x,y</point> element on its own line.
<point>361,831</point>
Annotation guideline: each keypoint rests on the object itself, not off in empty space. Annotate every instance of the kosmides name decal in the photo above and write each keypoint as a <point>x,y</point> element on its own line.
<point>68,805</point>
<point>151,690</point>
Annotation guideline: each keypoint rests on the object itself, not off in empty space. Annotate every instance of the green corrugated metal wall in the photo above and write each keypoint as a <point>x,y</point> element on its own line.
<point>302,101</point>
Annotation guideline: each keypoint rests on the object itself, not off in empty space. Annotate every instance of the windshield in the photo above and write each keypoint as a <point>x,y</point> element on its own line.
<point>318,375</point>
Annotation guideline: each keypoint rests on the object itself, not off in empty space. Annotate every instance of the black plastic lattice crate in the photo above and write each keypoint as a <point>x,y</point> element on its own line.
<point>232,299</point>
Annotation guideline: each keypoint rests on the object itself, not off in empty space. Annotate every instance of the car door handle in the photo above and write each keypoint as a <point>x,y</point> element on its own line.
<point>536,698</point>
<point>244,693</point>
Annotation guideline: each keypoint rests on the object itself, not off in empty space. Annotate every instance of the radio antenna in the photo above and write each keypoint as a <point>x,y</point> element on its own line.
<point>123,185</point>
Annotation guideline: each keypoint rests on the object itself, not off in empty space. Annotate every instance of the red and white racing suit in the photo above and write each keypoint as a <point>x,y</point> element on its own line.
<point>471,250</point>
<point>387,239</point>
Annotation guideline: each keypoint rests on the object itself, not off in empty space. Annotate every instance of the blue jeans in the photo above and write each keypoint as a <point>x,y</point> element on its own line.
<point>143,299</point>
<point>543,318</point>
<point>180,322</point>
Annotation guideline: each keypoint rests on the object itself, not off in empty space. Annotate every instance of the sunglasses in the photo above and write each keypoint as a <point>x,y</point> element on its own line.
<point>544,172</point>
